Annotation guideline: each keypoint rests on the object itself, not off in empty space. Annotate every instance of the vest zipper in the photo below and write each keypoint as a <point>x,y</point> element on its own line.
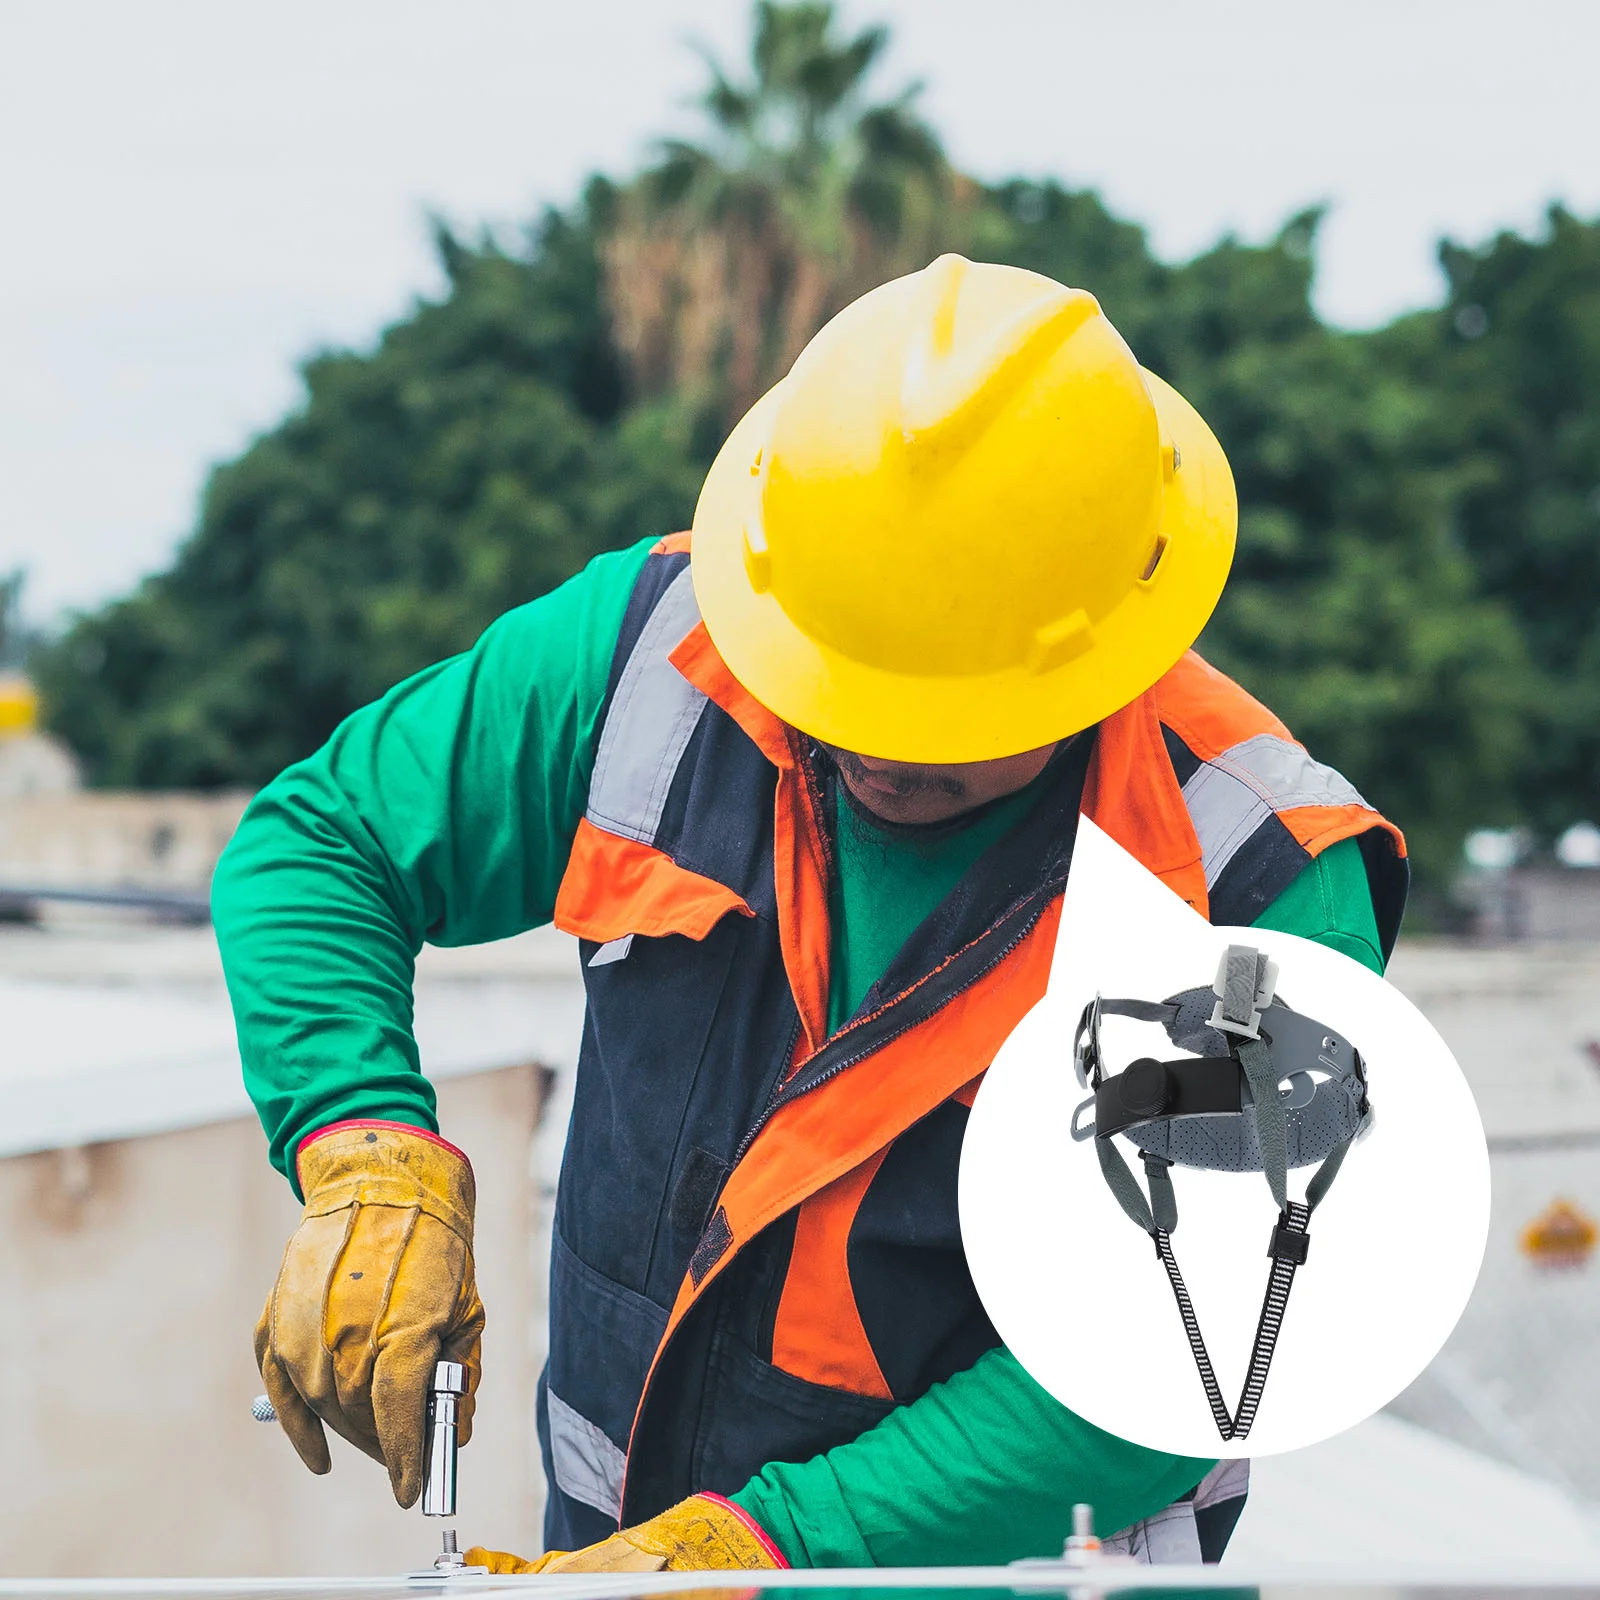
<point>780,1099</point>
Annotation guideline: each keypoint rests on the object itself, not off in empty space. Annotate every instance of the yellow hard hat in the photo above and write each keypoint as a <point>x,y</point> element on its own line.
<point>966,524</point>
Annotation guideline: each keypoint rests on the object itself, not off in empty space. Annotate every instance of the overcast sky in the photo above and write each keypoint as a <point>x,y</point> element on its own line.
<point>196,193</point>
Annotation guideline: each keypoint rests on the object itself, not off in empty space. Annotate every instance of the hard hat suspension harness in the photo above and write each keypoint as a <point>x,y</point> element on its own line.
<point>1304,1088</point>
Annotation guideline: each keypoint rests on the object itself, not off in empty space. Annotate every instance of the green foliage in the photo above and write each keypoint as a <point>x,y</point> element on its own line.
<point>1420,533</point>
<point>725,257</point>
<point>800,114</point>
<point>1512,363</point>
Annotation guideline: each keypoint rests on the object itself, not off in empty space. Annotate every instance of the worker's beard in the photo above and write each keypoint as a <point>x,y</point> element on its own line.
<point>902,794</point>
<point>916,794</point>
<point>905,780</point>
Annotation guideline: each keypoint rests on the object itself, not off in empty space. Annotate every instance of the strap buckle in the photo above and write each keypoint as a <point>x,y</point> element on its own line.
<point>1086,1046</point>
<point>1289,1243</point>
<point>1081,1130</point>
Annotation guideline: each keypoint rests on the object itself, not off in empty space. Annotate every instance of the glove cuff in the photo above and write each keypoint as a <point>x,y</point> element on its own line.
<point>770,1555</point>
<point>380,1124</point>
<point>705,1533</point>
<point>387,1164</point>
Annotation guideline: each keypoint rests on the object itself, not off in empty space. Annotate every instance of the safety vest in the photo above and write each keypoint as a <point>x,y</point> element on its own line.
<point>756,1253</point>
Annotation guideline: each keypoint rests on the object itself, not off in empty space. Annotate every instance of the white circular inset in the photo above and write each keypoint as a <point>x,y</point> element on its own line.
<point>1076,1289</point>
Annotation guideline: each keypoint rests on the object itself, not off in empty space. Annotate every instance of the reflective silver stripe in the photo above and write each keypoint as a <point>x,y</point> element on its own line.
<point>588,1466</point>
<point>652,717</point>
<point>612,950</point>
<point>1231,795</point>
<point>1169,1538</point>
<point>1228,1480</point>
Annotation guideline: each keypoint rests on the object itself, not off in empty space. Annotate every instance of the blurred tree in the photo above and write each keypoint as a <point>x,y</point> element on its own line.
<point>1512,361</point>
<point>1069,235</point>
<point>725,257</point>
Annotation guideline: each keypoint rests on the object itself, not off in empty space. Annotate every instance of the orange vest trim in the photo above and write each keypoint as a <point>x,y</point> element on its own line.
<point>696,658</point>
<point>1319,828</point>
<point>1133,796</point>
<point>818,1334</point>
<point>1208,710</point>
<point>615,886</point>
<point>804,930</point>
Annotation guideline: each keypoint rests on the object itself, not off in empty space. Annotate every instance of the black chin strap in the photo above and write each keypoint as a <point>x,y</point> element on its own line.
<point>1236,1425</point>
<point>1288,1247</point>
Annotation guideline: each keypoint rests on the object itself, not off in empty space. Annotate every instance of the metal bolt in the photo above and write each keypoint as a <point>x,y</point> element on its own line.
<point>1083,1548</point>
<point>450,1557</point>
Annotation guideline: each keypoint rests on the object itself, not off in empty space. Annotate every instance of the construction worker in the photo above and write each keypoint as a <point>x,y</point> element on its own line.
<point>805,787</point>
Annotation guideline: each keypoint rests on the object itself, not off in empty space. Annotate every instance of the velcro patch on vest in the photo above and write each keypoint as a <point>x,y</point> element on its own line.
<point>713,1246</point>
<point>697,1187</point>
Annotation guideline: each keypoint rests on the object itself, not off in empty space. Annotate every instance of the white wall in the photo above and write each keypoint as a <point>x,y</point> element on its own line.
<point>131,1276</point>
<point>109,838</point>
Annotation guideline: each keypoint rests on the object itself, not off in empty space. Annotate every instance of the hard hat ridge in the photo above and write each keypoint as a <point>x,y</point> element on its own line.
<point>949,394</point>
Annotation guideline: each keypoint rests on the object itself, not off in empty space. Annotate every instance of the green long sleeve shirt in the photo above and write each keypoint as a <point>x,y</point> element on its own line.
<point>445,813</point>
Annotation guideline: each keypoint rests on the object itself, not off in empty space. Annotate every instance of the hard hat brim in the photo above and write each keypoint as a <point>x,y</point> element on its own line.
<point>864,708</point>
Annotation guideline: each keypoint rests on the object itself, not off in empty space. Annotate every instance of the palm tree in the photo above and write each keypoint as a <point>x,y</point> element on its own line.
<point>729,254</point>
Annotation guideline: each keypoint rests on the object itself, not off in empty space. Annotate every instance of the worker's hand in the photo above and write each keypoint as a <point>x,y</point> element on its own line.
<point>376,1287</point>
<point>704,1533</point>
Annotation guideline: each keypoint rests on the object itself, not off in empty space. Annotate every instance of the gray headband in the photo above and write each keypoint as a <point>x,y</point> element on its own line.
<point>1321,1084</point>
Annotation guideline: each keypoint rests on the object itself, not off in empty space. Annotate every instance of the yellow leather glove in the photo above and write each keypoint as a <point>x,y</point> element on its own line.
<point>704,1533</point>
<point>375,1287</point>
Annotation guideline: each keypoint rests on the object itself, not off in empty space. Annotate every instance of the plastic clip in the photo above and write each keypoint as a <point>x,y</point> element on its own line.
<point>1289,1244</point>
<point>1245,983</point>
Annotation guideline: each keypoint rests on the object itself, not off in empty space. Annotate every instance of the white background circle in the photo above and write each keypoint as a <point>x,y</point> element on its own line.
<point>1075,1288</point>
